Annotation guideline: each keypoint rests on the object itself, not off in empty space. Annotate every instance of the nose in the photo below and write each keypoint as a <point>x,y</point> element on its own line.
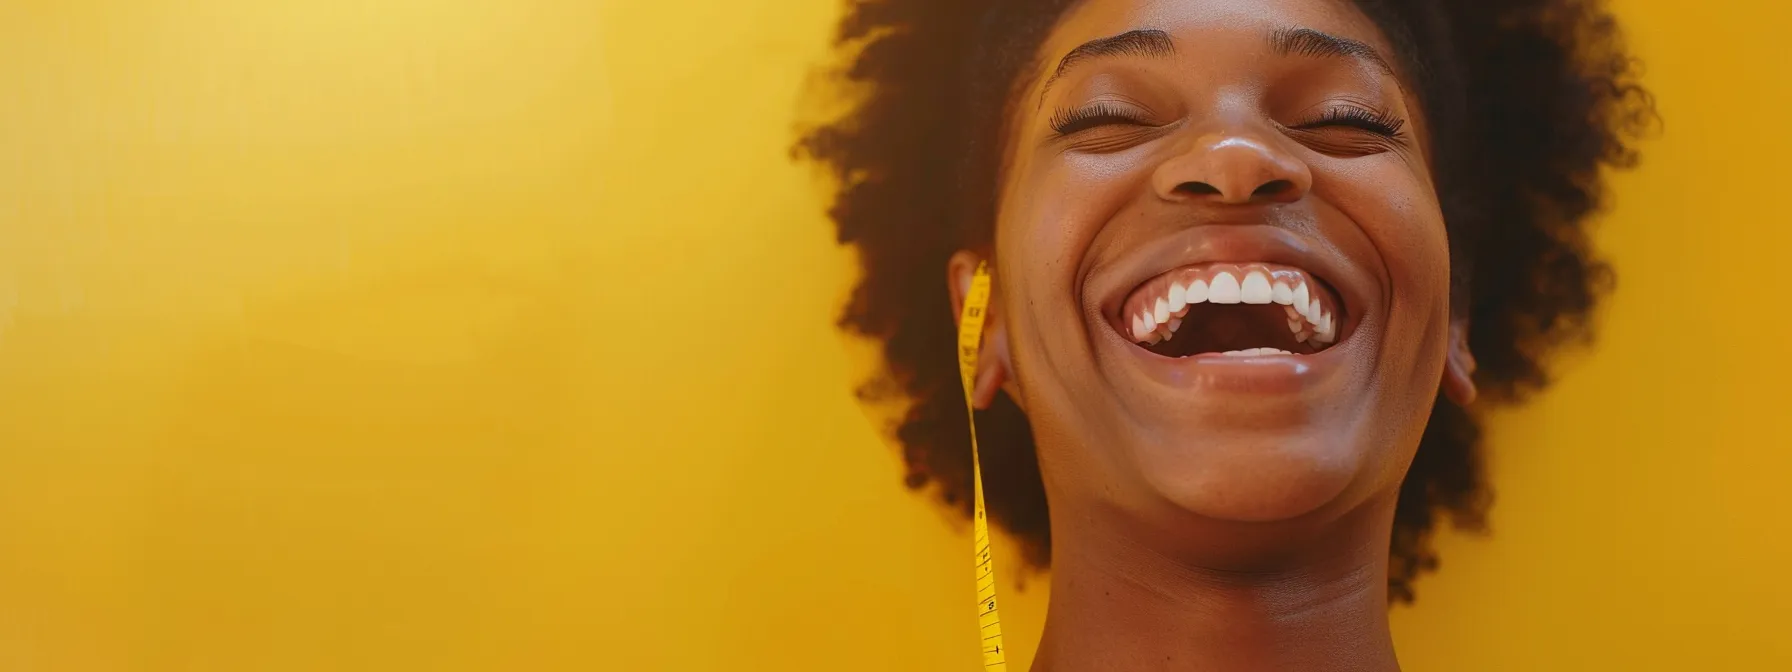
<point>1233,168</point>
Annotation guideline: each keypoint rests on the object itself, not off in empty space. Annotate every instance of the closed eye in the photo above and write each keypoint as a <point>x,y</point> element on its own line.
<point>1067,121</point>
<point>1373,121</point>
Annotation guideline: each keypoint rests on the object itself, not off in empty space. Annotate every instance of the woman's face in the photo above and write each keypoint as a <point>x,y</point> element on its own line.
<point>1189,182</point>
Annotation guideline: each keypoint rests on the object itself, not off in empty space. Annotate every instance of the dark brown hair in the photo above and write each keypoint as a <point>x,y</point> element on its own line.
<point>1528,101</point>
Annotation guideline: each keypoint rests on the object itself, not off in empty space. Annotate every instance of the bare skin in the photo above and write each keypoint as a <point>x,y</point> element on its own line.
<point>1216,511</point>
<point>1120,605</point>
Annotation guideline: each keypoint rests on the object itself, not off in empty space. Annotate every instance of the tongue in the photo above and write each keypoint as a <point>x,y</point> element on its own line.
<point>1218,328</point>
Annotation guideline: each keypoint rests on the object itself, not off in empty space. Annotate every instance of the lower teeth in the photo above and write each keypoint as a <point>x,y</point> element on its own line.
<point>1256,352</point>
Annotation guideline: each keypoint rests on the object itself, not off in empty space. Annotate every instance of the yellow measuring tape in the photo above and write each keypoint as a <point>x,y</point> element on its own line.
<point>970,337</point>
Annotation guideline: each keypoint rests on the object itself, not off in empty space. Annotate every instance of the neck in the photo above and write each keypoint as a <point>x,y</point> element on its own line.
<point>1118,604</point>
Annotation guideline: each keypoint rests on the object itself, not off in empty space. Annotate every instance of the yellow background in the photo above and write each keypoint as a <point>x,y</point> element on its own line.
<point>495,335</point>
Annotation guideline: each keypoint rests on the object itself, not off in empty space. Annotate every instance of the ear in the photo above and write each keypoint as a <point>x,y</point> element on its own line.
<point>994,366</point>
<point>1459,366</point>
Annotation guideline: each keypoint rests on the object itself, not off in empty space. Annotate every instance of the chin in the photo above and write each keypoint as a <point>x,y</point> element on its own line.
<point>1256,477</point>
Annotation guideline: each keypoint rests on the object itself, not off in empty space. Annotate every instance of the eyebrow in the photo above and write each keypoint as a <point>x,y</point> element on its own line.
<point>1147,42</point>
<point>1309,42</point>
<point>1157,43</point>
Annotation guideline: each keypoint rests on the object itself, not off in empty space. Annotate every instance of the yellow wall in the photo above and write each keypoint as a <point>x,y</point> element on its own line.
<point>494,335</point>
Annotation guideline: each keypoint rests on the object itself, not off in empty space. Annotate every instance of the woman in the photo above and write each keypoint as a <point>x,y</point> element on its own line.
<point>1254,263</point>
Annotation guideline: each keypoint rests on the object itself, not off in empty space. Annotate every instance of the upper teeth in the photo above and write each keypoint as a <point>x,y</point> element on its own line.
<point>1308,318</point>
<point>1224,289</point>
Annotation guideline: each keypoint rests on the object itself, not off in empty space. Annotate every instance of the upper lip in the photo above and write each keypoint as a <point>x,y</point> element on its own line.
<point>1111,284</point>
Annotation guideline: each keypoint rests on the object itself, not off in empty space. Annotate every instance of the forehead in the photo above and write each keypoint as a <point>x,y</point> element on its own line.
<point>1196,24</point>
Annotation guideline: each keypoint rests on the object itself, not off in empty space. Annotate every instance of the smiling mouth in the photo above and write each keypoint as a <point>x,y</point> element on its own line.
<point>1233,310</point>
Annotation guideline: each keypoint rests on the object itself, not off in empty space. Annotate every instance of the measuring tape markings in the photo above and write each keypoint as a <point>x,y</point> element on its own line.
<point>970,336</point>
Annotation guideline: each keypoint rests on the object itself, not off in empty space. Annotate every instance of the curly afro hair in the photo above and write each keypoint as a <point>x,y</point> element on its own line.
<point>1529,101</point>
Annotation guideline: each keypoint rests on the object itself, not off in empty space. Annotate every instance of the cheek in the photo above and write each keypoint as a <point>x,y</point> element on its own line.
<point>1398,213</point>
<point>1051,212</point>
<point>1053,207</point>
<point>1396,209</point>
<point>1414,246</point>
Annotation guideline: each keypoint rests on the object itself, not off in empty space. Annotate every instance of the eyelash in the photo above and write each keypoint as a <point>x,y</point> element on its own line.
<point>1379,122</point>
<point>1071,120</point>
<point>1068,121</point>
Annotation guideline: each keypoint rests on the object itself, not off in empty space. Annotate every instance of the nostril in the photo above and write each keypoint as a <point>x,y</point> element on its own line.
<point>1273,188</point>
<point>1197,189</point>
